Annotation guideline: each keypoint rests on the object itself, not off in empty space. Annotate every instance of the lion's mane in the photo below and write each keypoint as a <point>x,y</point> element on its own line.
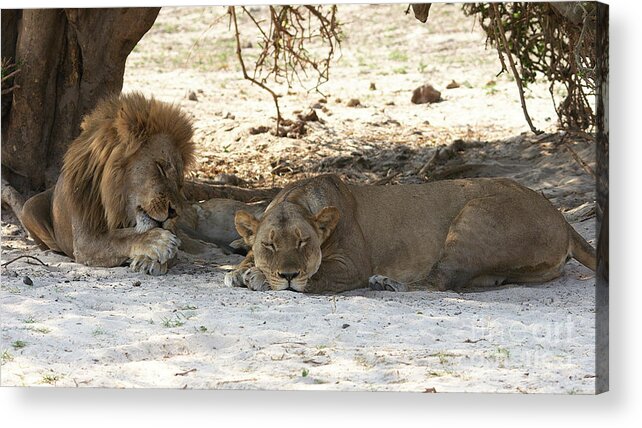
<point>94,165</point>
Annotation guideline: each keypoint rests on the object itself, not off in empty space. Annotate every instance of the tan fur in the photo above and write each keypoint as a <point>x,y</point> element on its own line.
<point>440,235</point>
<point>124,170</point>
<point>94,165</point>
<point>212,221</point>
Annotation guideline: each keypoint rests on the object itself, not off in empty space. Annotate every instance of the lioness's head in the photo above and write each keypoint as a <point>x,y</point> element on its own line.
<point>287,242</point>
<point>127,166</point>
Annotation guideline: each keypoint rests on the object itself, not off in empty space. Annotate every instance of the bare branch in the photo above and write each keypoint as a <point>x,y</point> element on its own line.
<point>245,75</point>
<point>511,61</point>
<point>285,38</point>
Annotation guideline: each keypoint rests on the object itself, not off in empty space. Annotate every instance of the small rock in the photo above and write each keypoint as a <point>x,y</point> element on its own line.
<point>337,100</point>
<point>229,115</point>
<point>344,326</point>
<point>259,130</point>
<point>311,116</point>
<point>390,103</point>
<point>136,284</point>
<point>373,87</point>
<point>353,102</point>
<point>192,96</point>
<point>316,105</point>
<point>425,94</point>
<point>453,85</point>
<point>27,281</point>
<point>200,91</point>
<point>323,100</point>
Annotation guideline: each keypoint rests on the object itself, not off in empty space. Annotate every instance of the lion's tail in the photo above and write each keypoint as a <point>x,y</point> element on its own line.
<point>581,250</point>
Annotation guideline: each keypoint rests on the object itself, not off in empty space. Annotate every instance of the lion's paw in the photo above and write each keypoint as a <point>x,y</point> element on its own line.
<point>156,244</point>
<point>383,283</point>
<point>255,280</point>
<point>234,278</point>
<point>144,264</point>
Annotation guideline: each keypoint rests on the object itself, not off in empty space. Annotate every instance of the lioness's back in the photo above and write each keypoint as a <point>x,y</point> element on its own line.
<point>409,223</point>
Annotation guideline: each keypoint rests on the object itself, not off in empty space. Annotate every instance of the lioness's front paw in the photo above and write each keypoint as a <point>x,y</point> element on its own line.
<point>255,280</point>
<point>383,283</point>
<point>234,278</point>
<point>144,264</point>
<point>156,244</point>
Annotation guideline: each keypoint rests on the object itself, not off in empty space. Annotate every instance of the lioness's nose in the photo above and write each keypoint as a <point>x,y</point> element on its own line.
<point>289,276</point>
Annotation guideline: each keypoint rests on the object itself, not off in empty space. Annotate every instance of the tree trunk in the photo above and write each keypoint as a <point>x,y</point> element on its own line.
<point>69,59</point>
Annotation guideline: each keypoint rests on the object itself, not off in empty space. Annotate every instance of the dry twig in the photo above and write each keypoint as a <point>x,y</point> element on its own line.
<point>239,55</point>
<point>586,167</point>
<point>23,257</point>
<point>9,71</point>
<point>284,43</point>
<point>504,43</point>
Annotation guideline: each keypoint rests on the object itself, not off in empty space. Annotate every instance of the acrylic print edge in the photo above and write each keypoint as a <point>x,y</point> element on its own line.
<point>602,188</point>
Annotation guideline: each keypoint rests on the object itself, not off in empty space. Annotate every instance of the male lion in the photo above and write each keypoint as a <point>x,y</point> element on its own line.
<point>322,235</point>
<point>120,187</point>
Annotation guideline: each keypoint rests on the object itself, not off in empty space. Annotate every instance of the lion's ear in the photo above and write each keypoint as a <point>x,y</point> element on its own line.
<point>246,225</point>
<point>326,220</point>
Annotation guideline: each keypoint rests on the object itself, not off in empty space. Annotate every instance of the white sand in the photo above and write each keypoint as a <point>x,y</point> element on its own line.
<point>91,327</point>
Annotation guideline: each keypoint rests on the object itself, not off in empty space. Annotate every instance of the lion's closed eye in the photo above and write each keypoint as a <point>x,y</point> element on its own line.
<point>268,245</point>
<point>161,170</point>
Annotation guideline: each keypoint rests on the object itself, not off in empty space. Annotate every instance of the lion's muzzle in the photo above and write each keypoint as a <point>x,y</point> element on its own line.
<point>159,215</point>
<point>160,209</point>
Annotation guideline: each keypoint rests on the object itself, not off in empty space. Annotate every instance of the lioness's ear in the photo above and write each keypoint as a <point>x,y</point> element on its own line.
<point>246,225</point>
<point>326,220</point>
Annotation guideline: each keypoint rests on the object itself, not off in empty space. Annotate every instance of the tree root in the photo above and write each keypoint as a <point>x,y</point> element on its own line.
<point>198,191</point>
<point>12,198</point>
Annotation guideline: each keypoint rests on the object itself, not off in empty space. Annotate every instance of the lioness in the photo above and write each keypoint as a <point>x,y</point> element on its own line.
<point>119,191</point>
<point>321,235</point>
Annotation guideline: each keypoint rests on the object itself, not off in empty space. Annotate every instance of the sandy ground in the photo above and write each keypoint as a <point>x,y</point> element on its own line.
<point>80,326</point>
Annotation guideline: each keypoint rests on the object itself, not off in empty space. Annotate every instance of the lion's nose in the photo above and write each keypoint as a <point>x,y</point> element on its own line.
<point>289,276</point>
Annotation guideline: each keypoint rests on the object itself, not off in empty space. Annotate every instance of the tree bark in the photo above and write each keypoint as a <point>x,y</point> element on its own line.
<point>69,59</point>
